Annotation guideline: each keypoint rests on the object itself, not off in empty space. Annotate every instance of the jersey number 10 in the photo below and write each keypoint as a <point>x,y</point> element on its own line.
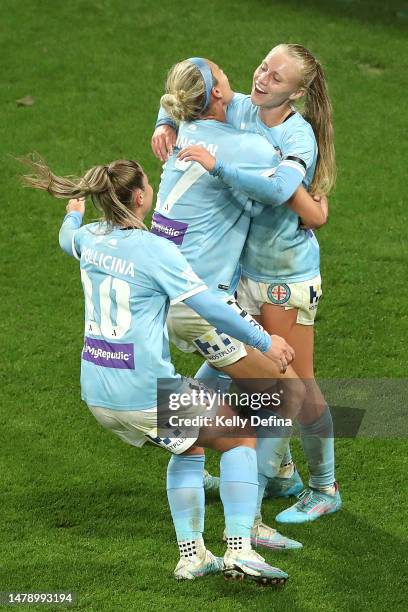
<point>106,327</point>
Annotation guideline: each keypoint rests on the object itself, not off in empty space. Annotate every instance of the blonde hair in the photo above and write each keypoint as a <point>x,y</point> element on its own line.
<point>317,110</point>
<point>185,97</point>
<point>110,187</point>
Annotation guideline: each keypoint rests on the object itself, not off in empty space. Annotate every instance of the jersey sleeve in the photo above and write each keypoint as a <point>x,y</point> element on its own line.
<point>172,273</point>
<point>164,119</point>
<point>273,187</point>
<point>299,149</point>
<point>69,235</point>
<point>235,109</point>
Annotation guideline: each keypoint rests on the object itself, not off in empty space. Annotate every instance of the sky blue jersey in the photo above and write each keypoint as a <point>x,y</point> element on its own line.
<point>206,219</point>
<point>129,279</point>
<point>277,249</point>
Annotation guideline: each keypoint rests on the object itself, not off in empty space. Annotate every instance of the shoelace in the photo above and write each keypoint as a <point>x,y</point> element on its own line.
<point>266,527</point>
<point>309,498</point>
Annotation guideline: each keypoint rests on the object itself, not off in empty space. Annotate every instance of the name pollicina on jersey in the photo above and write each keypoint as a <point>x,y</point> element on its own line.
<point>108,262</point>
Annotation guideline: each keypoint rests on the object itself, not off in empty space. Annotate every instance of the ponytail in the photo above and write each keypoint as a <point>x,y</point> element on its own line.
<point>110,188</point>
<point>317,110</point>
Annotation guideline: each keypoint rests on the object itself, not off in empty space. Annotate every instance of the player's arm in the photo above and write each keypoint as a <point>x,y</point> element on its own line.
<point>273,190</point>
<point>174,276</point>
<point>164,136</point>
<point>313,211</point>
<point>283,184</point>
<point>165,131</point>
<point>70,225</point>
<point>224,318</point>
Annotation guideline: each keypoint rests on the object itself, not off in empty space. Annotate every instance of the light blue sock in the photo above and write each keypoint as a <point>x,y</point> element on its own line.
<point>271,445</point>
<point>216,379</point>
<point>238,491</point>
<point>185,492</point>
<point>318,445</point>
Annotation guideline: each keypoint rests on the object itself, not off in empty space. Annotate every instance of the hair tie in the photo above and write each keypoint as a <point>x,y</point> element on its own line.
<point>205,72</point>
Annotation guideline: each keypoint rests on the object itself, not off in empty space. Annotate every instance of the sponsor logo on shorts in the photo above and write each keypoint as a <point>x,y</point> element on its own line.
<point>216,347</point>
<point>168,228</point>
<point>108,354</point>
<point>315,293</point>
<point>279,293</point>
<point>171,444</point>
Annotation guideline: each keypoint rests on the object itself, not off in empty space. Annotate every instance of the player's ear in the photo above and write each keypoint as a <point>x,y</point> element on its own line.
<point>216,92</point>
<point>137,197</point>
<point>297,94</point>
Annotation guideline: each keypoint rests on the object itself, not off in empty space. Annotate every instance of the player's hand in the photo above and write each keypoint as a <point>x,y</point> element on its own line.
<point>77,205</point>
<point>281,353</point>
<point>323,204</point>
<point>163,140</point>
<point>199,154</point>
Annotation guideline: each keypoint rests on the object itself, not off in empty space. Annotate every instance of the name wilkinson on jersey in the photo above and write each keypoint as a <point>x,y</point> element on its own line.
<point>108,262</point>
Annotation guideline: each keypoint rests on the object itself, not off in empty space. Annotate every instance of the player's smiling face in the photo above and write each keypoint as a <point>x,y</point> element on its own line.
<point>276,81</point>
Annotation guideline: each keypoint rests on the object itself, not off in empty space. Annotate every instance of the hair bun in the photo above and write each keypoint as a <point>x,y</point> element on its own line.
<point>182,96</point>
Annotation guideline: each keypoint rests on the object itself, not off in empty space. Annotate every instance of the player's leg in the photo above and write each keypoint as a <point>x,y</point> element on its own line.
<point>316,427</point>
<point>288,481</point>
<point>189,332</point>
<point>184,486</point>
<point>271,442</point>
<point>238,490</point>
<point>185,494</point>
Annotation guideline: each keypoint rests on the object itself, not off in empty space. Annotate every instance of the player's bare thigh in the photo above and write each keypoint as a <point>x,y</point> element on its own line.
<point>276,320</point>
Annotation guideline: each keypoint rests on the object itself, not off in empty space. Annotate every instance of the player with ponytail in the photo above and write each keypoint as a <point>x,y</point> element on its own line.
<point>281,281</point>
<point>129,278</point>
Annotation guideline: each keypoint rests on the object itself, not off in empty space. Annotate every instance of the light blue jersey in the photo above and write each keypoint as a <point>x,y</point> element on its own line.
<point>128,277</point>
<point>277,249</point>
<point>206,219</point>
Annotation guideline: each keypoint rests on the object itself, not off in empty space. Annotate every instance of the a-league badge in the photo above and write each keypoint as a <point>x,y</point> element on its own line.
<point>279,294</point>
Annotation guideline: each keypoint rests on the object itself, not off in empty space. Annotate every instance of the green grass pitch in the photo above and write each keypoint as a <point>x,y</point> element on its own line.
<point>79,509</point>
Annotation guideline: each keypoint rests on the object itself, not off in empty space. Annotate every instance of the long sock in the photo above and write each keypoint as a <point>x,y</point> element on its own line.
<point>271,445</point>
<point>185,493</point>
<point>318,445</point>
<point>216,379</point>
<point>238,491</point>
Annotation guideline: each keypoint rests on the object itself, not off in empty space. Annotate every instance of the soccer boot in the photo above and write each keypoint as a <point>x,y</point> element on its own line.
<point>312,504</point>
<point>211,483</point>
<point>198,566</point>
<point>248,565</point>
<point>266,537</point>
<point>284,487</point>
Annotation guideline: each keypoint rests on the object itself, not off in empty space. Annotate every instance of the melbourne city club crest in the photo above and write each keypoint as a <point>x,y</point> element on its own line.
<point>279,294</point>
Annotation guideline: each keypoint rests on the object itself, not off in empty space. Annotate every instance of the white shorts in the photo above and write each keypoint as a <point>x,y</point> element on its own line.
<point>190,332</point>
<point>136,427</point>
<point>304,296</point>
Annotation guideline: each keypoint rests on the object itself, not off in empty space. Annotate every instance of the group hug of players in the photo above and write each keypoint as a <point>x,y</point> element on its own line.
<point>230,269</point>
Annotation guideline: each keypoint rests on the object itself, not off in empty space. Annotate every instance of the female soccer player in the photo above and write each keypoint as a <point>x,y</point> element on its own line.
<point>281,278</point>
<point>129,276</point>
<point>210,225</point>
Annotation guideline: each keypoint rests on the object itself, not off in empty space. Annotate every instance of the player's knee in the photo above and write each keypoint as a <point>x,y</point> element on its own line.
<point>224,444</point>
